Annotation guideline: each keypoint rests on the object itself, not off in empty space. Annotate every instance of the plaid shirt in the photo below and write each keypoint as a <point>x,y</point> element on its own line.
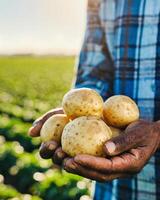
<point>121,55</point>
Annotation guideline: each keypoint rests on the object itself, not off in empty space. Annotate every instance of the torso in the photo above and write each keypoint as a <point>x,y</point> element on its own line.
<point>132,33</point>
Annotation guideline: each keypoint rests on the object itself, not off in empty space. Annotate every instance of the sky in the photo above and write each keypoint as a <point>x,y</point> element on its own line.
<point>41,26</point>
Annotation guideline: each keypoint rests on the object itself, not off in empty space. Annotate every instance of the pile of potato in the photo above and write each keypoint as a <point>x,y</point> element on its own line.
<point>89,122</point>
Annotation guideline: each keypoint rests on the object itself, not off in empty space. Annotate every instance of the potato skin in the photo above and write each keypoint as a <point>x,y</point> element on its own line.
<point>85,135</point>
<point>115,131</point>
<point>53,128</point>
<point>82,102</point>
<point>119,111</point>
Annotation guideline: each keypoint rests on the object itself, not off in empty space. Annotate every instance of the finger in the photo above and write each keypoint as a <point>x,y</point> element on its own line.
<point>123,143</point>
<point>34,131</point>
<point>95,163</point>
<point>126,162</point>
<point>59,156</point>
<point>73,167</point>
<point>47,115</point>
<point>140,122</point>
<point>47,149</point>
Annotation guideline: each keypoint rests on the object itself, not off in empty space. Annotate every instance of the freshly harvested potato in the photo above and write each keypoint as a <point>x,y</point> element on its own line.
<point>120,111</point>
<point>85,135</point>
<point>115,131</point>
<point>82,102</point>
<point>53,128</point>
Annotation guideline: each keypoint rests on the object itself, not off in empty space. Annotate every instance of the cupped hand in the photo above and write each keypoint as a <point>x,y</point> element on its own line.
<point>50,149</point>
<point>126,154</point>
<point>34,131</point>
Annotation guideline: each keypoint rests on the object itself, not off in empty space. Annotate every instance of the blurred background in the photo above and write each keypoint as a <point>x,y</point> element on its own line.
<point>39,41</point>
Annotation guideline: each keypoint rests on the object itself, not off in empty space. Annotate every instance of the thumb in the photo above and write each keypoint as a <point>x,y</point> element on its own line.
<point>34,131</point>
<point>120,144</point>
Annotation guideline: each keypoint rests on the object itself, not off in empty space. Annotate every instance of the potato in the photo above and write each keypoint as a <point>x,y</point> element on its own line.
<point>120,111</point>
<point>115,131</point>
<point>82,102</point>
<point>85,135</point>
<point>53,128</point>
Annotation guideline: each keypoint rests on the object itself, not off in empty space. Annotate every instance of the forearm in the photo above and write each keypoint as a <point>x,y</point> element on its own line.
<point>95,67</point>
<point>98,77</point>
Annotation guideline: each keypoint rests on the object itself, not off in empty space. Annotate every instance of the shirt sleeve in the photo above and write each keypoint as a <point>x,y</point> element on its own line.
<point>95,66</point>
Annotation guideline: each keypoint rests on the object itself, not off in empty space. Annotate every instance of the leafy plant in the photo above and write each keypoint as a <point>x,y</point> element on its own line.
<point>30,86</point>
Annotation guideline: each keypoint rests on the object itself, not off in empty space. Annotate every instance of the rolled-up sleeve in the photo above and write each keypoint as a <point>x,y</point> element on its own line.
<point>95,66</point>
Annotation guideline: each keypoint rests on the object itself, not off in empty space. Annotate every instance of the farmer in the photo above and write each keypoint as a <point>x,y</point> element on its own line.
<point>120,55</point>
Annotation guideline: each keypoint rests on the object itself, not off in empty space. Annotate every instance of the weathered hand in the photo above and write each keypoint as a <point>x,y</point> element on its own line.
<point>34,131</point>
<point>48,149</point>
<point>126,154</point>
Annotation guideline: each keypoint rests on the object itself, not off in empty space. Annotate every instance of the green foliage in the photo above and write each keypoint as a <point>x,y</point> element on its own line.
<point>30,86</point>
<point>61,186</point>
<point>8,192</point>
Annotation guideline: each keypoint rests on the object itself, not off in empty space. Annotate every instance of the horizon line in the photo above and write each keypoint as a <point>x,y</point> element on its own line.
<point>36,55</point>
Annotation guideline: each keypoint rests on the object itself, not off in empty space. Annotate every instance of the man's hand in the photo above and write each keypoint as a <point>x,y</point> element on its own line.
<point>34,131</point>
<point>126,154</point>
<point>48,149</point>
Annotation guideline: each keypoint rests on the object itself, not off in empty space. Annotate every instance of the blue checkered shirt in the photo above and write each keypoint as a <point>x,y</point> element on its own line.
<point>121,55</point>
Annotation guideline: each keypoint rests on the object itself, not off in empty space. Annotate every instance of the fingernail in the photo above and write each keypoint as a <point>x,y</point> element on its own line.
<point>65,161</point>
<point>51,146</point>
<point>111,147</point>
<point>72,166</point>
<point>35,123</point>
<point>77,159</point>
<point>59,154</point>
<point>69,164</point>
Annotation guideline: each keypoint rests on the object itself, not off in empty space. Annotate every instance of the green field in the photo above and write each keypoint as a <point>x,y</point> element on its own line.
<point>30,86</point>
